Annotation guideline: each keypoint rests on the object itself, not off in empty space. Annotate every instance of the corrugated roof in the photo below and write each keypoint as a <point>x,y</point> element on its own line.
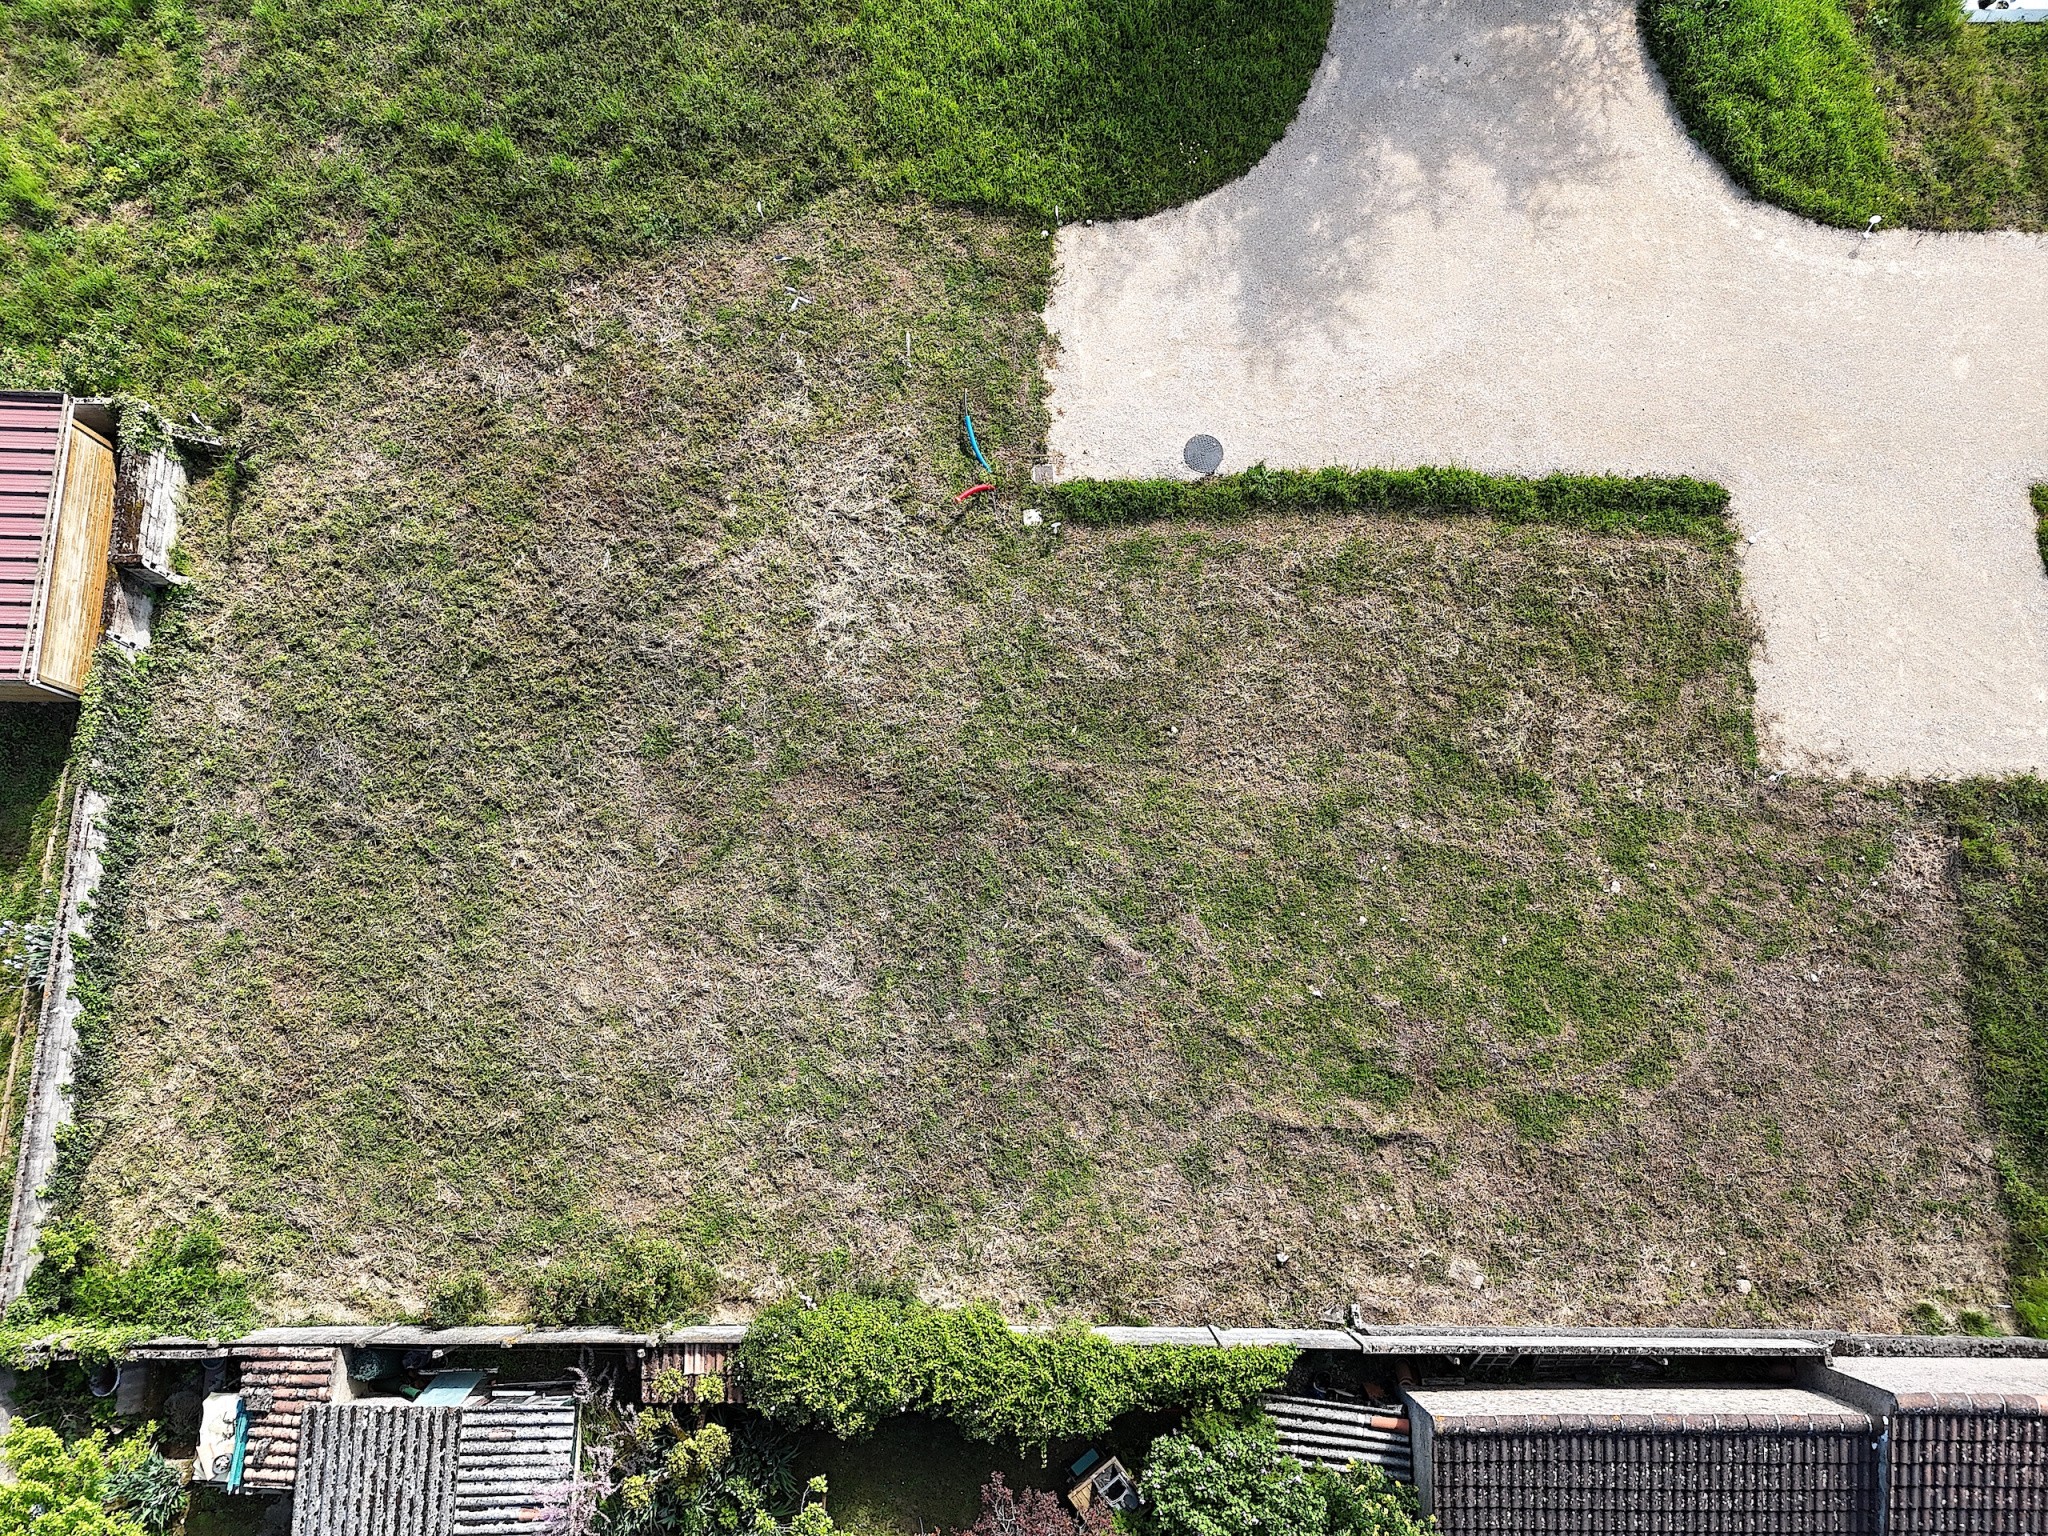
<point>518,1452</point>
<point>31,438</point>
<point>381,1467</point>
<point>1336,1434</point>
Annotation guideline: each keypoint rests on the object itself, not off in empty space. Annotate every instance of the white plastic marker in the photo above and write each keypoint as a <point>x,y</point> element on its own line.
<point>1871,228</point>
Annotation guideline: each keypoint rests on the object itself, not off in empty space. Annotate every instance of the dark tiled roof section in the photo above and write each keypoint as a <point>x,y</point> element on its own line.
<point>1976,1466</point>
<point>691,1362</point>
<point>278,1384</point>
<point>2020,1404</point>
<point>1550,1477</point>
<point>1608,1423</point>
<point>518,1453</point>
<point>378,1468</point>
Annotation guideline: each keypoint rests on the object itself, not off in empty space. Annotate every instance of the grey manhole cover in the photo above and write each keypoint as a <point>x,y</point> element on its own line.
<point>1203,454</point>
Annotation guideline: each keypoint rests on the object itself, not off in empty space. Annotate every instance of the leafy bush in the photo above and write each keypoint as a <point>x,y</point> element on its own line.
<point>854,1361</point>
<point>1781,93</point>
<point>639,1284</point>
<point>1227,1477</point>
<point>1598,503</point>
<point>457,1301</point>
<point>84,1489</point>
<point>650,1471</point>
<point>176,1284</point>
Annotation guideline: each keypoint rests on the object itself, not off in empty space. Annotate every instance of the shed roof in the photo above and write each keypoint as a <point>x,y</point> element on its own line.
<point>1483,1410</point>
<point>31,440</point>
<point>382,1467</point>
<point>1924,1385</point>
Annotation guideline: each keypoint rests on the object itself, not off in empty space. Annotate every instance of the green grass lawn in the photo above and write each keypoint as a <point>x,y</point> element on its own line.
<point>598,781</point>
<point>209,201</point>
<point>603,786</point>
<point>1840,109</point>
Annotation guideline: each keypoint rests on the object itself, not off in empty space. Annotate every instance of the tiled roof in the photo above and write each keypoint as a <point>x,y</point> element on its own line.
<point>1968,1449</point>
<point>279,1383</point>
<point>1592,1461</point>
<point>675,1373</point>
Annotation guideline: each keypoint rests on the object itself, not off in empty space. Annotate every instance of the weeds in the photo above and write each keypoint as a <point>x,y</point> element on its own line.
<point>639,1284</point>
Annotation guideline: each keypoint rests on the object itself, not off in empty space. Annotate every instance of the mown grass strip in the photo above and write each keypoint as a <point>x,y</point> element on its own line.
<point>1653,505</point>
<point>2002,877</point>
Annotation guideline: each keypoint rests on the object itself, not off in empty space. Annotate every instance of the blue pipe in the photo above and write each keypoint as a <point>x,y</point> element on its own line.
<point>969,420</point>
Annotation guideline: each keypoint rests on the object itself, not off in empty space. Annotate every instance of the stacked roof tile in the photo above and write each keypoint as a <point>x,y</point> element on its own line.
<point>1967,1450</point>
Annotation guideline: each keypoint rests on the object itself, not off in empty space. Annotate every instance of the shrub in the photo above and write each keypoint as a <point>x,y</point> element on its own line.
<point>639,1284</point>
<point>83,1489</point>
<point>1597,503</point>
<point>457,1301</point>
<point>1227,1477</point>
<point>854,1361</point>
<point>144,1486</point>
<point>1031,1512</point>
<point>175,1284</point>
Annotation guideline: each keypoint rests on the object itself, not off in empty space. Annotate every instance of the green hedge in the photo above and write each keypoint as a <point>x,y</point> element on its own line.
<point>1598,503</point>
<point>854,1361</point>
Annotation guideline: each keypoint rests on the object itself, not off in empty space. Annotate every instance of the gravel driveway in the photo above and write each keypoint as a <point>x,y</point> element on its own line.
<point>1486,240</point>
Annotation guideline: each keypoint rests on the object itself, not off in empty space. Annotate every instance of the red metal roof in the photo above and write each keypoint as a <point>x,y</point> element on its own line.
<point>31,433</point>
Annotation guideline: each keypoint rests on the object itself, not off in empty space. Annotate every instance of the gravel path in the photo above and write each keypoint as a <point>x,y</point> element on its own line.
<point>1486,240</point>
